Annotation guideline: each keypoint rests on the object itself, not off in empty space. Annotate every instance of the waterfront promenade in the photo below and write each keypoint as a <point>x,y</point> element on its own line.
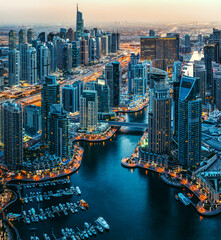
<point>72,166</point>
<point>173,179</point>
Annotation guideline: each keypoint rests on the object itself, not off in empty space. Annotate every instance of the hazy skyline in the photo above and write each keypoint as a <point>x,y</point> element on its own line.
<point>103,11</point>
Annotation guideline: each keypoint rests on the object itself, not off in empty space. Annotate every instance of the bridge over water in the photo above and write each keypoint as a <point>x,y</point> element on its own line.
<point>126,124</point>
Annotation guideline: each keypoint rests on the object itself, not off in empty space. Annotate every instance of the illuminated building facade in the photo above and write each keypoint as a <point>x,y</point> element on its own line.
<point>58,140</point>
<point>50,94</point>
<point>14,67</point>
<point>189,123</point>
<point>162,51</point>
<point>88,110</point>
<point>113,80</point>
<point>159,119</point>
<point>13,134</point>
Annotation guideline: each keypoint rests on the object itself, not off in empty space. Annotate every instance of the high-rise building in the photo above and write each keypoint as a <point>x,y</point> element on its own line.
<point>140,78</point>
<point>42,37</point>
<point>98,47</point>
<point>13,138</point>
<point>199,72</point>
<point>70,34</point>
<point>43,65</point>
<point>63,33</point>
<point>21,36</point>
<point>162,51</point>
<point>189,123</point>
<point>75,54</point>
<point>152,33</point>
<point>79,25</point>
<point>50,94</point>
<point>208,58</point>
<point>177,67</point>
<point>14,67</point>
<point>58,131</point>
<point>92,50</point>
<point>187,40</point>
<point>159,120</point>
<point>83,52</point>
<point>12,40</point>
<point>113,80</point>
<point>53,56</point>
<point>32,119</point>
<point>103,96</point>
<point>104,45</point>
<point>115,41</point>
<point>88,110</point>
<point>31,66</point>
<point>23,61</point>
<point>134,58</point>
<point>67,56</point>
<point>70,98</point>
<point>30,35</point>
<point>215,93</point>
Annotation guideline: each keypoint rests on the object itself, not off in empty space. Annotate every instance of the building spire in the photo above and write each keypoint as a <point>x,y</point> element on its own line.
<point>77,7</point>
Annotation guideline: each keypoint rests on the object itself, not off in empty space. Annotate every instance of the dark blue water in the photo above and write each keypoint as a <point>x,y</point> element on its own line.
<point>136,204</point>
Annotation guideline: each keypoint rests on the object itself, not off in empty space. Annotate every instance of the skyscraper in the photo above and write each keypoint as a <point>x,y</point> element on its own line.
<point>12,39</point>
<point>32,119</point>
<point>152,33</point>
<point>13,138</point>
<point>208,58</point>
<point>162,51</point>
<point>131,70</point>
<point>14,67</point>
<point>83,52</point>
<point>67,56</point>
<point>53,56</point>
<point>98,47</point>
<point>88,110</point>
<point>113,80</point>
<point>50,94</point>
<point>199,71</point>
<point>92,50</point>
<point>187,40</point>
<point>30,35</point>
<point>22,36</point>
<point>103,96</point>
<point>70,34</point>
<point>140,78</point>
<point>70,98</point>
<point>43,65</point>
<point>104,45</point>
<point>58,131</point>
<point>75,54</point>
<point>31,66</point>
<point>23,61</point>
<point>159,132</point>
<point>79,25</point>
<point>177,67</point>
<point>189,123</point>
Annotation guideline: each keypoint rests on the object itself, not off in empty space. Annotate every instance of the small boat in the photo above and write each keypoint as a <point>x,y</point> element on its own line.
<point>85,234</point>
<point>89,232</point>
<point>78,190</point>
<point>63,232</point>
<point>99,228</point>
<point>86,225</point>
<point>92,229</point>
<point>103,223</point>
<point>46,237</point>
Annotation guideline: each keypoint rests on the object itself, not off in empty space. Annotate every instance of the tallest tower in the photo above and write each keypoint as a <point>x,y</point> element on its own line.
<point>79,25</point>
